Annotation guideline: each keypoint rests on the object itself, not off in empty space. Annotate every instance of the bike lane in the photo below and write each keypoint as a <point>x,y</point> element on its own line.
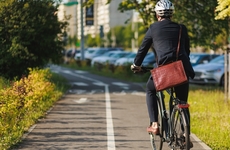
<point>96,113</point>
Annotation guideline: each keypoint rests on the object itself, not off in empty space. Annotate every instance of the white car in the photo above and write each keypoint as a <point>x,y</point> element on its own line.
<point>149,60</point>
<point>109,57</point>
<point>90,53</point>
<point>210,73</point>
<point>125,60</point>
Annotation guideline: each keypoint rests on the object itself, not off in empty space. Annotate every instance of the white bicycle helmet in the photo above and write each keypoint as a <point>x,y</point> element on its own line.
<point>164,8</point>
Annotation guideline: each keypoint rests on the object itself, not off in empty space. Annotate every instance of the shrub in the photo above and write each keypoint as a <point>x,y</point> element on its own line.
<point>23,103</point>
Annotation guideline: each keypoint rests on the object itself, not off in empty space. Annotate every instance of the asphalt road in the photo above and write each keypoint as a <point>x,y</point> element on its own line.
<point>96,113</point>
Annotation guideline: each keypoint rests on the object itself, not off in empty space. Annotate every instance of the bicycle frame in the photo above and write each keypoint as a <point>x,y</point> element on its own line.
<point>166,115</point>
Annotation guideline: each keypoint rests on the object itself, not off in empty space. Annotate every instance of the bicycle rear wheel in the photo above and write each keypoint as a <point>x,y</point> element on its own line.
<point>180,129</point>
<point>156,140</point>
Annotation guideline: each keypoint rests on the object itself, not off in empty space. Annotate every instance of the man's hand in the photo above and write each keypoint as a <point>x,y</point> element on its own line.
<point>135,68</point>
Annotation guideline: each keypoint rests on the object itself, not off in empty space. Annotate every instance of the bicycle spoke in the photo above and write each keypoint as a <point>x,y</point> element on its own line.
<point>180,130</point>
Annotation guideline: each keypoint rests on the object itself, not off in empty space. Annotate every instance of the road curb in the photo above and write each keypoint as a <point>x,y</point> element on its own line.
<point>206,147</point>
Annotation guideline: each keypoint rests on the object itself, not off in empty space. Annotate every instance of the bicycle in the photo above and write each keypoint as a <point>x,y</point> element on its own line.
<point>174,123</point>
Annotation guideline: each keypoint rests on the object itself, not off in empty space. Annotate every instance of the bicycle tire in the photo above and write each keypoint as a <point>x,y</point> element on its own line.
<point>156,140</point>
<point>180,129</point>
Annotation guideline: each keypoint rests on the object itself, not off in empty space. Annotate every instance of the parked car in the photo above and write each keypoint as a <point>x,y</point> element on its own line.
<point>149,59</point>
<point>210,73</point>
<point>127,60</point>
<point>90,53</point>
<point>109,57</point>
<point>201,58</point>
<point>69,54</point>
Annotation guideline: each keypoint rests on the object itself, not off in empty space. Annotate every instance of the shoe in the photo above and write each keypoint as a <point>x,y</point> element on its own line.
<point>153,130</point>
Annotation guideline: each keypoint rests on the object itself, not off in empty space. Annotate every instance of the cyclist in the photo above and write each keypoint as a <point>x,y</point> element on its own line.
<point>163,36</point>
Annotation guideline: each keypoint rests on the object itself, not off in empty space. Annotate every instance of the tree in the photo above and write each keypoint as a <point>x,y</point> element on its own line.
<point>223,12</point>
<point>197,15</point>
<point>223,9</point>
<point>90,41</point>
<point>30,35</point>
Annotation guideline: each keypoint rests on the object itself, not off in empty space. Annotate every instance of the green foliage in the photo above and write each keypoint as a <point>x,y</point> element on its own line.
<point>145,8</point>
<point>223,9</point>
<point>123,34</point>
<point>24,102</point>
<point>197,15</point>
<point>4,83</point>
<point>91,42</point>
<point>29,35</point>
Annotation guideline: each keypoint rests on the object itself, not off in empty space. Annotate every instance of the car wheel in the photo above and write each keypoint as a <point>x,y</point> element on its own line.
<point>222,81</point>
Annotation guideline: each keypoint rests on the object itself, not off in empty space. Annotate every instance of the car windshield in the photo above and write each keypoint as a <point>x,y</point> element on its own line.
<point>119,54</point>
<point>107,54</point>
<point>100,51</point>
<point>218,60</point>
<point>194,58</point>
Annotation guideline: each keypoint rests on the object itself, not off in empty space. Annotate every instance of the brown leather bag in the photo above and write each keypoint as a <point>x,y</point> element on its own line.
<point>169,75</point>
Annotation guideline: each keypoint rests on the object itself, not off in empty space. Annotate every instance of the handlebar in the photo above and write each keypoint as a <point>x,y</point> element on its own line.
<point>144,69</point>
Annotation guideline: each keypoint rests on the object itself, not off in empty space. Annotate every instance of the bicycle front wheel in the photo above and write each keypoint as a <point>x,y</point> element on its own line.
<point>180,129</point>
<point>156,140</point>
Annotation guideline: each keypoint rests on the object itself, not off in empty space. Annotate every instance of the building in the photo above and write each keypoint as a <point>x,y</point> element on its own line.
<point>105,16</point>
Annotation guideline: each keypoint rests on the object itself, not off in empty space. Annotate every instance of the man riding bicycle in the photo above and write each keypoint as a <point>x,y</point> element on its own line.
<point>163,36</point>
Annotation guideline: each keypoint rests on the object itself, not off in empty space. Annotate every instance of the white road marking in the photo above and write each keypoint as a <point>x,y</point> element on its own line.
<point>80,84</point>
<point>138,93</point>
<point>99,83</point>
<point>109,121</point>
<point>109,118</point>
<point>80,71</point>
<point>120,84</point>
<point>96,91</point>
<point>81,100</point>
<point>120,93</point>
<point>77,91</point>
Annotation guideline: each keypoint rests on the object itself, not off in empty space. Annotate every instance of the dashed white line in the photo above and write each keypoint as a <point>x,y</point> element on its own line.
<point>109,118</point>
<point>80,84</point>
<point>81,100</point>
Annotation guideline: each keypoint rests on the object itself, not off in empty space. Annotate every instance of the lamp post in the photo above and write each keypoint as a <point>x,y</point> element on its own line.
<point>82,33</point>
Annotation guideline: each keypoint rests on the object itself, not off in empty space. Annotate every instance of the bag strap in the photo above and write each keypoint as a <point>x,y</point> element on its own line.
<point>178,47</point>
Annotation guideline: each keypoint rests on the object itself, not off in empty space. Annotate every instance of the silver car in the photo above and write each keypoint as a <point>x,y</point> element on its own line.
<point>210,73</point>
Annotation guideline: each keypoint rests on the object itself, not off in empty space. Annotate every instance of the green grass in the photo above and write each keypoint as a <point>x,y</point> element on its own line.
<point>210,114</point>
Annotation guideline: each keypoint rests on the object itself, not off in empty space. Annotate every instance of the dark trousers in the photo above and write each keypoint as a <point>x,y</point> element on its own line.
<point>181,93</point>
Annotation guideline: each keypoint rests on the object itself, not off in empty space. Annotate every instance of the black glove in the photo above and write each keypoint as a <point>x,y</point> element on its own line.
<point>135,68</point>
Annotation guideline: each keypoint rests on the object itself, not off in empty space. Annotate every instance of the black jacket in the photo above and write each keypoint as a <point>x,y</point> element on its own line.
<point>163,36</point>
